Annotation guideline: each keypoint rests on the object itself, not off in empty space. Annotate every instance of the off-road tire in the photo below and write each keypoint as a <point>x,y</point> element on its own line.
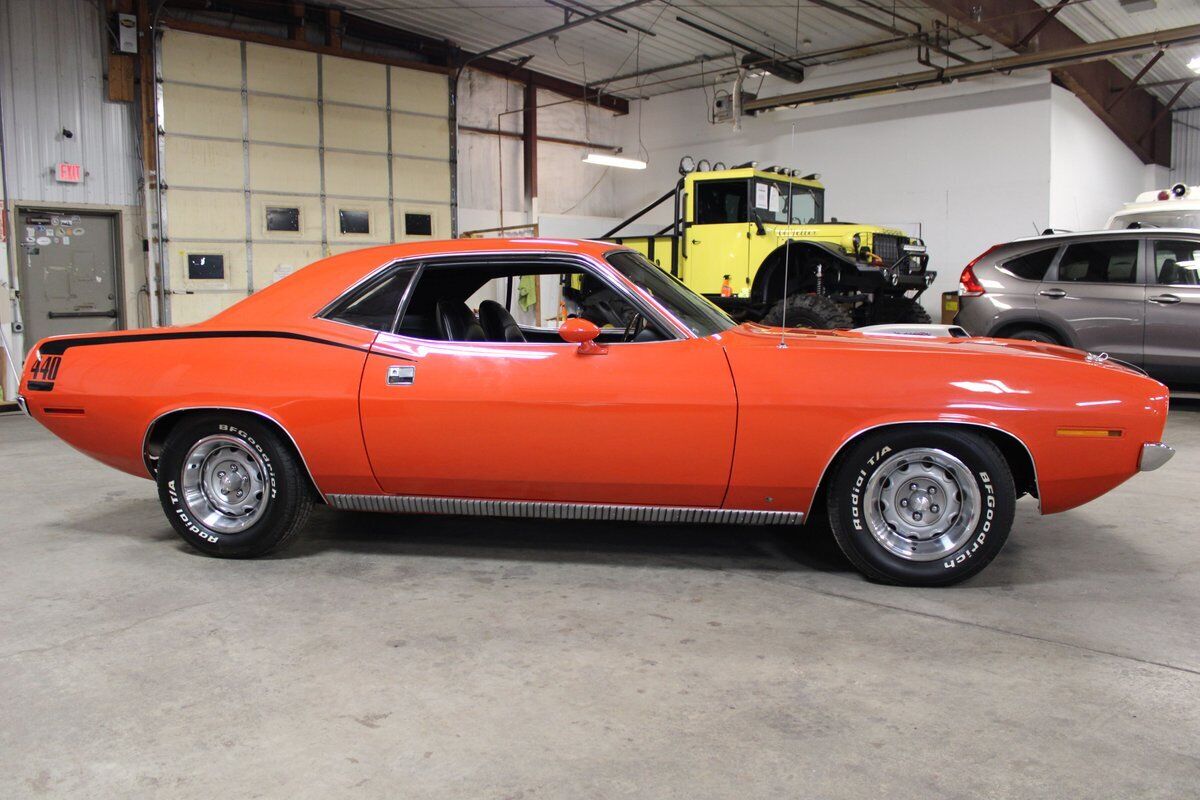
<point>892,309</point>
<point>848,496</point>
<point>1032,335</point>
<point>286,490</point>
<point>808,311</point>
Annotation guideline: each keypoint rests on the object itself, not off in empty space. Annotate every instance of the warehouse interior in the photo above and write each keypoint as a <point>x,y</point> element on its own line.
<point>163,160</point>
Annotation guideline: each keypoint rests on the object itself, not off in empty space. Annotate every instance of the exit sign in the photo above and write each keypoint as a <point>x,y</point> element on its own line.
<point>67,173</point>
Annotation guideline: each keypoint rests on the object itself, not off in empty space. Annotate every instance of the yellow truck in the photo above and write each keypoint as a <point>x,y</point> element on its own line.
<point>756,242</point>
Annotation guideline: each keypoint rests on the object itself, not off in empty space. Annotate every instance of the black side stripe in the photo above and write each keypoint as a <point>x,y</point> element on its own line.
<point>57,347</point>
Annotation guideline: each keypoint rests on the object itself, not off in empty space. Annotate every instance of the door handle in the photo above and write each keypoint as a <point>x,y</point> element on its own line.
<point>112,312</point>
<point>1165,299</point>
<point>1052,293</point>
<point>401,376</point>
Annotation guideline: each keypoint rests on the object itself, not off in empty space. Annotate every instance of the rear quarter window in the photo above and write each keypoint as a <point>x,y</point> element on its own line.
<point>1030,266</point>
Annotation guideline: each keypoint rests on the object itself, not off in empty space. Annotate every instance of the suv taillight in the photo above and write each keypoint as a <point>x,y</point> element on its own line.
<point>968,284</point>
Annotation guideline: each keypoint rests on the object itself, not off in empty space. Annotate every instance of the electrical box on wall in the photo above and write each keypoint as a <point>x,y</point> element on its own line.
<point>127,33</point>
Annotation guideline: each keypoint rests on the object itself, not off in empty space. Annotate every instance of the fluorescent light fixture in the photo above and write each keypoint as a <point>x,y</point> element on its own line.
<point>1194,65</point>
<point>606,160</point>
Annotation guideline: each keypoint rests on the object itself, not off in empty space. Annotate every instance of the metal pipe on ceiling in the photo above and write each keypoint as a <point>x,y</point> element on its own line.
<point>883,26</point>
<point>1091,51</point>
<point>575,23</point>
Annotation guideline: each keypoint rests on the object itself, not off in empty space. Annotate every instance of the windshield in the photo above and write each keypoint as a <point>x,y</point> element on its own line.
<point>1166,218</point>
<point>699,315</point>
<point>789,203</point>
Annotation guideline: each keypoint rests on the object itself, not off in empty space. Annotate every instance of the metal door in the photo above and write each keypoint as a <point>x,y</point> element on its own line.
<point>68,272</point>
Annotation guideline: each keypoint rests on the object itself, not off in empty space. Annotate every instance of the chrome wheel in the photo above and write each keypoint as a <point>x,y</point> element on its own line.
<point>921,504</point>
<point>224,484</point>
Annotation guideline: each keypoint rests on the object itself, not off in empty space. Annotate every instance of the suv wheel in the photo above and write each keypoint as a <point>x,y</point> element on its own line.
<point>921,507</point>
<point>808,311</point>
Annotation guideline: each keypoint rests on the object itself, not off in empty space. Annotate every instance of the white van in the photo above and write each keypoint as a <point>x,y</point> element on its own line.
<point>1177,207</point>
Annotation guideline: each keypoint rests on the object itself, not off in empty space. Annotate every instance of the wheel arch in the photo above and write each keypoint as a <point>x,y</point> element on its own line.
<point>161,426</point>
<point>1001,330</point>
<point>1016,453</point>
<point>763,277</point>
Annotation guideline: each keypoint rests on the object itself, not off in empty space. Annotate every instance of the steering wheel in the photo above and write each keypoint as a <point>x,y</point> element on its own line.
<point>636,324</point>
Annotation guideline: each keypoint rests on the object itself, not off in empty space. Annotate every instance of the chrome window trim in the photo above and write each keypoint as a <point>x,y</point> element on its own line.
<point>544,509</point>
<point>151,473</point>
<point>983,426</point>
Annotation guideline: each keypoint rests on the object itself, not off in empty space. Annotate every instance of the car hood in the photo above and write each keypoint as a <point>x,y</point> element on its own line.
<point>750,334</point>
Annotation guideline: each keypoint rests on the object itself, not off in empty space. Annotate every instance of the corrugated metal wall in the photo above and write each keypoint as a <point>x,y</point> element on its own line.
<point>1185,147</point>
<point>51,78</point>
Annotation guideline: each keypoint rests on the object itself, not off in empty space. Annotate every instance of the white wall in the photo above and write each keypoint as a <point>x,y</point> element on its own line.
<point>1092,172</point>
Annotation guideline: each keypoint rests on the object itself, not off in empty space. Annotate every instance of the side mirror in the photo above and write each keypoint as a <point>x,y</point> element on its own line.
<point>579,330</point>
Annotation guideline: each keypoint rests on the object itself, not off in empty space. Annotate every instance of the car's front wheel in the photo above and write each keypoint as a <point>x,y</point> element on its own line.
<point>921,506</point>
<point>231,486</point>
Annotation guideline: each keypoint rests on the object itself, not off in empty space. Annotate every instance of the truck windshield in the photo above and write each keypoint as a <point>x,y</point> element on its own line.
<point>789,203</point>
<point>699,315</point>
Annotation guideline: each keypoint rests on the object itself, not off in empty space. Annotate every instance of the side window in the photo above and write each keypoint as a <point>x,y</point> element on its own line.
<point>1176,262</point>
<point>721,201</point>
<point>1104,261</point>
<point>374,304</point>
<point>1031,266</point>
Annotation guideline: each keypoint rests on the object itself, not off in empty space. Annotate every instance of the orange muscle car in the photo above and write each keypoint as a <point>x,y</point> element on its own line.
<point>575,380</point>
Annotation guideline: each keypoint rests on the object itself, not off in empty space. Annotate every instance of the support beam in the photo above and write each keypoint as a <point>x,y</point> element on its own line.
<point>1166,109</point>
<point>1051,13</point>
<point>529,149</point>
<point>1010,21</point>
<point>612,148</point>
<point>1150,62</point>
<point>1068,57</point>
<point>920,37</point>
<point>296,27</point>
<point>439,55</point>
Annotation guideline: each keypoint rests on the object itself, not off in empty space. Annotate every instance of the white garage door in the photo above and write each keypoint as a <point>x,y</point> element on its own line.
<point>273,158</point>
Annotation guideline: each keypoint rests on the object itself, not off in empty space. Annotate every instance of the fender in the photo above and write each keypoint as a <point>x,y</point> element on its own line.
<point>774,260</point>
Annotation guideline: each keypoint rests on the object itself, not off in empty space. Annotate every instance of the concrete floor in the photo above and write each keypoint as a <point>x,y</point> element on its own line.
<point>450,658</point>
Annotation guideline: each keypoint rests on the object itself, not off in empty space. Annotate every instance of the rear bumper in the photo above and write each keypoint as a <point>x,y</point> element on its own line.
<point>1154,455</point>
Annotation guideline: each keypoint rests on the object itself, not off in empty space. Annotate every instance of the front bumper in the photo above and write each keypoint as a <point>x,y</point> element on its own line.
<point>21,404</point>
<point>1154,455</point>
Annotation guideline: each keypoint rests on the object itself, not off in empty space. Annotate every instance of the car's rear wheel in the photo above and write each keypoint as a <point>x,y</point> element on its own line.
<point>232,486</point>
<point>1032,335</point>
<point>921,506</point>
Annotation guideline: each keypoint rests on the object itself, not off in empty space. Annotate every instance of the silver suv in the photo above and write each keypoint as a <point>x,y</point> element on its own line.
<point>1134,294</point>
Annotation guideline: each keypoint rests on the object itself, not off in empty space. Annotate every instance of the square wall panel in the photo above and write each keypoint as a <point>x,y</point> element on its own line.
<point>284,169</point>
<point>194,58</point>
<point>188,309</point>
<point>423,92</point>
<point>195,162</point>
<point>274,262</point>
<point>309,212</point>
<point>281,70</point>
<point>202,112</point>
<point>419,179</point>
<point>414,135</point>
<point>205,215</point>
<point>276,119</point>
<point>354,128</point>
<point>360,82</point>
<point>356,175</point>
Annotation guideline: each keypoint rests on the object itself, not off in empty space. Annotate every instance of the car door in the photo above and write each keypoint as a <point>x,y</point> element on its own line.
<point>1096,291</point>
<point>1173,310</point>
<point>646,423</point>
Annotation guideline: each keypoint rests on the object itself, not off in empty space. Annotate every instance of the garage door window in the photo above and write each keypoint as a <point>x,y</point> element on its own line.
<point>354,220</point>
<point>1100,262</point>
